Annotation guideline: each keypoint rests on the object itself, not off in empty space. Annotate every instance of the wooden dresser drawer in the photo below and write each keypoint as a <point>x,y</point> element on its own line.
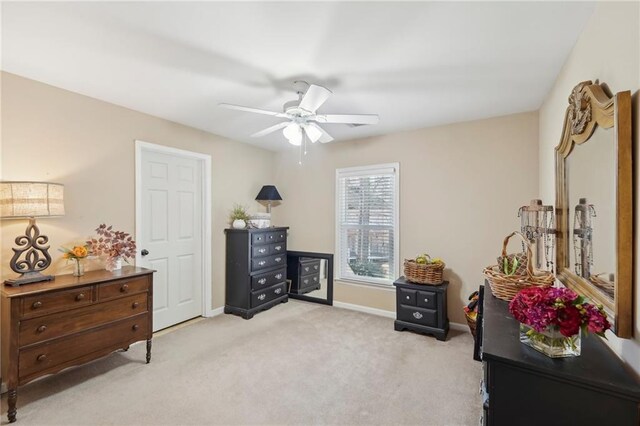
<point>121,288</point>
<point>268,279</point>
<point>56,301</point>
<point>309,280</point>
<point>309,267</point>
<point>268,294</point>
<point>407,297</point>
<point>268,262</point>
<point>64,323</point>
<point>278,248</point>
<point>260,251</point>
<point>420,316</point>
<point>63,352</point>
<point>259,238</point>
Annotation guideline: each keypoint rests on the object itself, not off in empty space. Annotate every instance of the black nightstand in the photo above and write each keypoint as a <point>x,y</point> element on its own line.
<point>422,308</point>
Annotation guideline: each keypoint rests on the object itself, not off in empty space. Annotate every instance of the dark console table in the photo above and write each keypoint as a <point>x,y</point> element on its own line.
<point>524,387</point>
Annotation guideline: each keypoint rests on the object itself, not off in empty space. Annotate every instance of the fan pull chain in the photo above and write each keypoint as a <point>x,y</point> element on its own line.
<point>304,136</point>
<point>300,160</point>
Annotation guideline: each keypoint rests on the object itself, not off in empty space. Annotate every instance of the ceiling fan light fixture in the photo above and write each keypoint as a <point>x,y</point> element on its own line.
<point>313,133</point>
<point>293,133</point>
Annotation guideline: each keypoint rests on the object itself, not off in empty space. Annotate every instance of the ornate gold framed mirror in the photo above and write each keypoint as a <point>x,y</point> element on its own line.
<point>594,201</point>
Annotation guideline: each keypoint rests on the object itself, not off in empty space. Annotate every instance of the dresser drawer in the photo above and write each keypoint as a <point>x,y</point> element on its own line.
<point>261,297</point>
<point>64,323</point>
<point>58,352</point>
<point>259,238</point>
<point>420,316</point>
<point>277,237</point>
<point>121,288</point>
<point>278,248</point>
<point>261,251</point>
<point>407,297</point>
<point>268,279</point>
<point>56,301</point>
<point>309,280</point>
<point>427,299</point>
<point>268,262</point>
<point>309,267</point>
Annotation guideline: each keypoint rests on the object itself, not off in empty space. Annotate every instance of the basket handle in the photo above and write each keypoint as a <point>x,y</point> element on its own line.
<point>529,251</point>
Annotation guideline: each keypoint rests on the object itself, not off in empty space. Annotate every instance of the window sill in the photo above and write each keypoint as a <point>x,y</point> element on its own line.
<point>367,284</point>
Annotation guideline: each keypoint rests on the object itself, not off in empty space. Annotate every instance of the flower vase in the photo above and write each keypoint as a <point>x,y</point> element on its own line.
<point>114,264</point>
<point>78,268</point>
<point>551,342</point>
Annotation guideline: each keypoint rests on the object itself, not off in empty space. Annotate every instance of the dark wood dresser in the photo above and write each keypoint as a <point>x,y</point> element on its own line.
<point>256,270</point>
<point>304,273</point>
<point>524,387</point>
<point>422,308</point>
<point>49,326</point>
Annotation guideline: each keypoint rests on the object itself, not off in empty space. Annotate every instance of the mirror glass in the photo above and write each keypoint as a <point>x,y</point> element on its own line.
<point>591,188</point>
<point>310,276</point>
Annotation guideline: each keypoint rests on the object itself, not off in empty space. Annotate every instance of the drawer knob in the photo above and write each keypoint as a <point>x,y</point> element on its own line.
<point>417,315</point>
<point>135,327</point>
<point>262,296</point>
<point>262,263</point>
<point>315,267</point>
<point>278,259</point>
<point>278,291</point>
<point>426,300</point>
<point>37,304</point>
<point>278,248</point>
<point>262,250</point>
<point>408,297</point>
<point>41,357</point>
<point>124,288</point>
<point>262,281</point>
<point>306,281</point>
<point>306,269</point>
<point>42,329</point>
<point>135,305</point>
<point>278,276</point>
<point>80,297</point>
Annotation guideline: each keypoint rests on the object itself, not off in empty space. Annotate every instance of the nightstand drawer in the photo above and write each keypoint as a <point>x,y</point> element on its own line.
<point>277,248</point>
<point>268,279</point>
<point>56,301</point>
<point>407,297</point>
<point>427,299</point>
<point>308,267</point>
<point>420,316</point>
<point>268,262</point>
<point>260,251</point>
<point>277,237</point>
<point>309,280</point>
<point>259,238</point>
<point>268,294</point>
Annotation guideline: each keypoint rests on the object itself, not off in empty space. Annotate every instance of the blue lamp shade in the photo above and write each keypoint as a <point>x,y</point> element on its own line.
<point>268,193</point>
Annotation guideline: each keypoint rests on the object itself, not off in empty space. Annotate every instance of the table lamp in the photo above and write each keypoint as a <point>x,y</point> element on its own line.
<point>20,200</point>
<point>268,193</point>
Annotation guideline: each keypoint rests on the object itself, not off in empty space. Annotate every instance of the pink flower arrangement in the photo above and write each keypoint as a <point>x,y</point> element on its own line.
<point>112,243</point>
<point>548,307</point>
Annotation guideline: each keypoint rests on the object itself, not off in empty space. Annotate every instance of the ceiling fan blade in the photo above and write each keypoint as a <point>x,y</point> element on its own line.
<point>249,109</point>
<point>318,133</point>
<point>347,118</point>
<point>314,98</point>
<point>270,129</point>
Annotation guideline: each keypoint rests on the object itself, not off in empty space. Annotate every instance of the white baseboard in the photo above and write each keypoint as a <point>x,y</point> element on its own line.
<point>391,314</point>
<point>215,312</point>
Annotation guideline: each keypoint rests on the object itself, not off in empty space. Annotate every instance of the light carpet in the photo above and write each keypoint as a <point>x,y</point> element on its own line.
<point>296,364</point>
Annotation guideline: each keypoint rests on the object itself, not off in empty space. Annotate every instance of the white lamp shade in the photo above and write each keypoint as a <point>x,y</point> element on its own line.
<point>293,133</point>
<point>31,199</point>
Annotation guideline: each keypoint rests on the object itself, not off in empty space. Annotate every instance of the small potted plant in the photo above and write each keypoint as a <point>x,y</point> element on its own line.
<point>239,217</point>
<point>77,254</point>
<point>116,245</point>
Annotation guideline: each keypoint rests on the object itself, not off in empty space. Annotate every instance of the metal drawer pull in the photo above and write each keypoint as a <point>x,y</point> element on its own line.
<point>278,276</point>
<point>124,288</point>
<point>417,315</point>
<point>36,305</point>
<point>41,357</point>
<point>278,248</point>
<point>315,267</point>
<point>426,300</point>
<point>271,237</point>
<point>42,329</point>
<point>262,250</point>
<point>306,281</point>
<point>262,281</point>
<point>278,259</point>
<point>315,278</point>
<point>262,263</point>
<point>408,297</point>
<point>135,327</point>
<point>278,291</point>
<point>306,269</point>
<point>80,297</point>
<point>262,296</point>
<point>134,305</point>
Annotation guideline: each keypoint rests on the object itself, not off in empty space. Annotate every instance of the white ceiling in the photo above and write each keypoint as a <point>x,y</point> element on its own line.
<point>414,64</point>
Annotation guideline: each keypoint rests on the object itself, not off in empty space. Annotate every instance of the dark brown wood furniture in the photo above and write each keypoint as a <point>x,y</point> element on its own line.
<point>524,387</point>
<point>49,326</point>
<point>256,270</point>
<point>422,308</point>
<point>304,273</point>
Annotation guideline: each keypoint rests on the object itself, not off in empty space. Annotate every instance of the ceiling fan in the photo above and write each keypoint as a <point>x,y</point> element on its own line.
<point>302,117</point>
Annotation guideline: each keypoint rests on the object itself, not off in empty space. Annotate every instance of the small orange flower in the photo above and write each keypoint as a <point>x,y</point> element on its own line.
<point>80,251</point>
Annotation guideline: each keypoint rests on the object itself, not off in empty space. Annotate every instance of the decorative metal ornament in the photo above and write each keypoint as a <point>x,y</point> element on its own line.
<point>31,257</point>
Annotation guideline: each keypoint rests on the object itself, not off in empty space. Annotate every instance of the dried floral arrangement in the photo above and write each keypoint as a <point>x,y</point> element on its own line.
<point>111,243</point>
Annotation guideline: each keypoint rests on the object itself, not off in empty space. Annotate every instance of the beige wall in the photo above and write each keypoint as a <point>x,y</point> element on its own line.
<point>54,135</point>
<point>607,51</point>
<point>460,189</point>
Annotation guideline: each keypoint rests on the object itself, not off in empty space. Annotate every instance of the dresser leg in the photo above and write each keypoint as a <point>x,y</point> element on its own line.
<point>12,400</point>
<point>148,351</point>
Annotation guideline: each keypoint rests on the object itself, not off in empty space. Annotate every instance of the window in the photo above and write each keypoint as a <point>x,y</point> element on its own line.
<point>367,223</point>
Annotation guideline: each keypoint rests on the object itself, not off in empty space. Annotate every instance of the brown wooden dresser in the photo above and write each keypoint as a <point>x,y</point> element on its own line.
<point>49,326</point>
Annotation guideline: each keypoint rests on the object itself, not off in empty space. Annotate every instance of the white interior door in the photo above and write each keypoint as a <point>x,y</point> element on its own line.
<point>170,221</point>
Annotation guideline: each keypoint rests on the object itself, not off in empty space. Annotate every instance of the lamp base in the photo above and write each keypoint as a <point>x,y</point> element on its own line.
<point>28,278</point>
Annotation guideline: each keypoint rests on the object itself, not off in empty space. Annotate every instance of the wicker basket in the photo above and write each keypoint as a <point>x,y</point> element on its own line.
<point>471,322</point>
<point>423,273</point>
<point>505,287</point>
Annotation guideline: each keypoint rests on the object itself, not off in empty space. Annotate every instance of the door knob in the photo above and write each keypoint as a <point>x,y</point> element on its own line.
<point>144,252</point>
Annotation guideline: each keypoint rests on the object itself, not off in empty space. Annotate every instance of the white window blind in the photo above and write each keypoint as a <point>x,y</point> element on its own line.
<point>367,223</point>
